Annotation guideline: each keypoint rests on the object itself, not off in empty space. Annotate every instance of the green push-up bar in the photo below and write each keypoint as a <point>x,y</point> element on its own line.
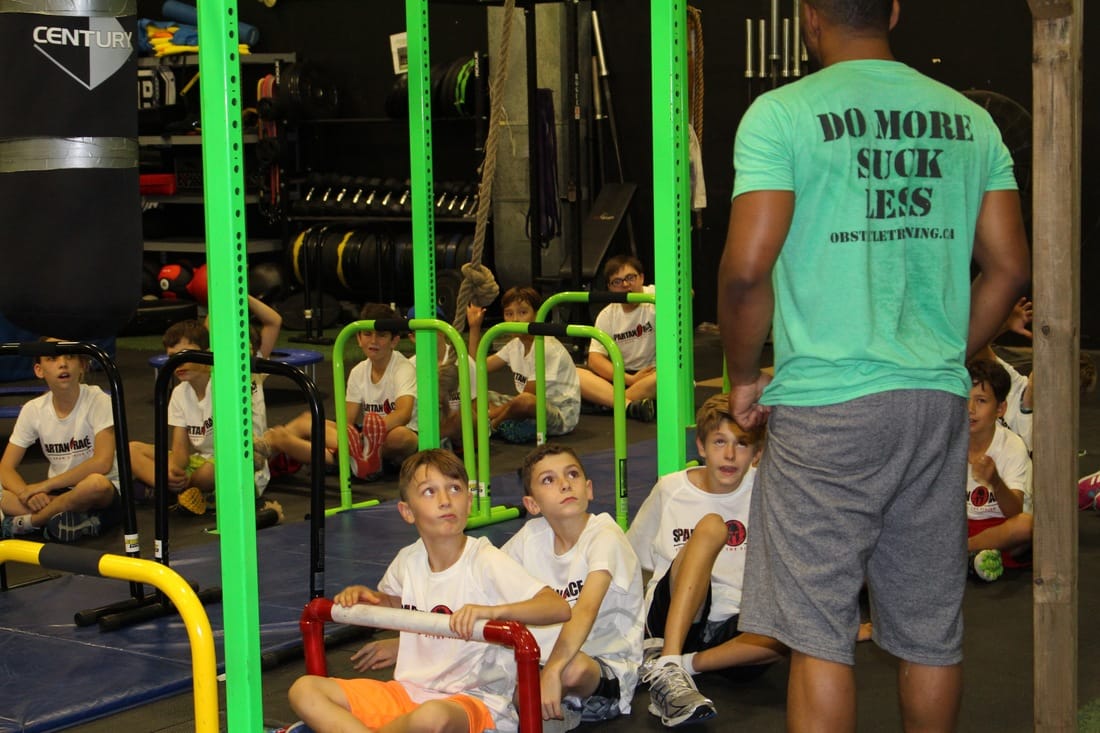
<point>485,513</point>
<point>339,385</point>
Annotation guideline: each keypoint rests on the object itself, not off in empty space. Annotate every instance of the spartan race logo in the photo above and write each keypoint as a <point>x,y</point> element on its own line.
<point>89,55</point>
<point>737,533</point>
<point>981,496</point>
<point>637,332</point>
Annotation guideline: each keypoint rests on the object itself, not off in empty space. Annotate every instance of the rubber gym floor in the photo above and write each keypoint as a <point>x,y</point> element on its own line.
<point>998,616</point>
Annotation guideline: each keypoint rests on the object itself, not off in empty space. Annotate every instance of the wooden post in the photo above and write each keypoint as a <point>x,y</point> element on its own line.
<point>1056,83</point>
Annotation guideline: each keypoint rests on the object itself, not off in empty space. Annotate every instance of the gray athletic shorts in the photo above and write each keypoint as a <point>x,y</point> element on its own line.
<point>872,489</point>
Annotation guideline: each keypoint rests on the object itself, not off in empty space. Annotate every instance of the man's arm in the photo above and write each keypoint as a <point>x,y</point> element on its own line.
<point>758,226</point>
<point>1000,249</point>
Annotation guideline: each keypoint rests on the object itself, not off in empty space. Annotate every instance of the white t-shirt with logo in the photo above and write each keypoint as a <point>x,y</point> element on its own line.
<point>633,332</point>
<point>666,521</point>
<point>616,636</point>
<point>430,668</point>
<point>1019,422</point>
<point>67,442</point>
<point>563,386</point>
<point>186,410</point>
<point>1013,464</point>
<point>380,397</point>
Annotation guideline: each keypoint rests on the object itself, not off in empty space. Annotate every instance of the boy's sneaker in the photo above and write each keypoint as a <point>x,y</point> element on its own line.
<point>16,526</point>
<point>365,448</point>
<point>71,526</point>
<point>674,697</point>
<point>516,431</point>
<point>644,410</point>
<point>651,649</point>
<point>142,493</point>
<point>192,500</point>
<point>986,565</point>
<point>299,727</point>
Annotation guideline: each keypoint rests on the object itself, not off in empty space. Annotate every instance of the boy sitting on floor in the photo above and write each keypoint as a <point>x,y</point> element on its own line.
<point>191,417</point>
<point>381,396</point>
<point>692,532</point>
<point>998,491</point>
<point>590,663</point>
<point>439,684</point>
<point>75,426</point>
<point>513,417</point>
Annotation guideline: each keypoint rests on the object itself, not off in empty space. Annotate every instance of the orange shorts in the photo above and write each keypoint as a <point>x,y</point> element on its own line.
<point>376,703</point>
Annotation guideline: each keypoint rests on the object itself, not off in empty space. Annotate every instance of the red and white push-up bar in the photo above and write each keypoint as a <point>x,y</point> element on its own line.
<point>506,633</point>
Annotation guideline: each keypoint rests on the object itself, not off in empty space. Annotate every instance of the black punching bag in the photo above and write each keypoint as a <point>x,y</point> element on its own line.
<point>70,242</point>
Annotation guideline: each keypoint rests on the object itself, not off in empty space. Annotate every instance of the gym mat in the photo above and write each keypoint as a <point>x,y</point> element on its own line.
<point>106,672</point>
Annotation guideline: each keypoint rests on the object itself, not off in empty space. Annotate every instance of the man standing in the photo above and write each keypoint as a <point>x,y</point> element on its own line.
<point>861,194</point>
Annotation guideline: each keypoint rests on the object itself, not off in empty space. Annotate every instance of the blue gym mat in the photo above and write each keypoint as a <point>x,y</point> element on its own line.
<point>54,674</point>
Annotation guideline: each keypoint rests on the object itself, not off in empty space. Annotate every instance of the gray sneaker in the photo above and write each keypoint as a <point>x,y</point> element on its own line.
<point>674,697</point>
<point>652,648</point>
<point>71,526</point>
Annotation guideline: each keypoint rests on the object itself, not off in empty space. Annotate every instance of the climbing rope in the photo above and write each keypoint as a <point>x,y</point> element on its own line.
<point>695,70</point>
<point>478,284</point>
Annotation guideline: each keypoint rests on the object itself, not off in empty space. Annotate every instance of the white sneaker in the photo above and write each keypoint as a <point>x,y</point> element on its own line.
<point>674,697</point>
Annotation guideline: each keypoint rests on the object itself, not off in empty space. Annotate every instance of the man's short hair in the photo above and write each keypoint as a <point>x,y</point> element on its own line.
<point>991,374</point>
<point>527,295</point>
<point>527,470</point>
<point>192,330</point>
<point>859,15</point>
<point>444,461</point>
<point>713,412</point>
<point>618,262</point>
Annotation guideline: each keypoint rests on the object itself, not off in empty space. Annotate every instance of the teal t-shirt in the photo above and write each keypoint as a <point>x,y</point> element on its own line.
<point>872,286</point>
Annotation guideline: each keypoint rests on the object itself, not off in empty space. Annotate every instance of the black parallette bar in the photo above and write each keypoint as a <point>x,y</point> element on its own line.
<point>547,329</point>
<point>71,559</point>
<point>393,325</point>
<point>606,296</point>
<point>39,348</point>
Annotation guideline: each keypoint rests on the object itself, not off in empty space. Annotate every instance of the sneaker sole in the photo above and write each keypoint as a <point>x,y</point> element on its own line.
<point>698,715</point>
<point>66,528</point>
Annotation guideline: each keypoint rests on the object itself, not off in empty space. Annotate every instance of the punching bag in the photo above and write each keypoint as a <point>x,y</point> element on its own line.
<point>70,247</point>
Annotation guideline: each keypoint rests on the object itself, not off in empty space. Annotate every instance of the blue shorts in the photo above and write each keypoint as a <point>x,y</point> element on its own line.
<point>868,490</point>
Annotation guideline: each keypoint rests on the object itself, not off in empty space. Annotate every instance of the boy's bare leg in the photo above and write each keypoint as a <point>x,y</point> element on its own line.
<point>142,465</point>
<point>400,444</point>
<point>321,703</point>
<point>1014,532</point>
<point>821,696</point>
<point>203,477</point>
<point>598,390</point>
<point>743,649</point>
<point>929,697</point>
<point>91,493</point>
<point>434,716</point>
<point>284,439</point>
<point>690,580</point>
<point>581,676</point>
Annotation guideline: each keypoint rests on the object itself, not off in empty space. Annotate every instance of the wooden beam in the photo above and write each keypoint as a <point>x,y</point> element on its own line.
<point>1056,186</point>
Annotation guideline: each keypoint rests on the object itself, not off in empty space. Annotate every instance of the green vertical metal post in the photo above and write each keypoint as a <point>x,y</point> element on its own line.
<point>227,265</point>
<point>339,382</point>
<point>423,215</point>
<point>671,228</point>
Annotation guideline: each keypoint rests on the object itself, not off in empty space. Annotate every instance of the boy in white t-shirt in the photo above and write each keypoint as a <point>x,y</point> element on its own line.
<point>631,327</point>
<point>439,683</point>
<point>692,532</point>
<point>191,417</point>
<point>513,417</point>
<point>998,491</point>
<point>74,424</point>
<point>590,663</point>
<point>380,397</point>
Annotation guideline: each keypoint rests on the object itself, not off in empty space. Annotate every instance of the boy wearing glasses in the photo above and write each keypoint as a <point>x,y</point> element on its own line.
<point>631,326</point>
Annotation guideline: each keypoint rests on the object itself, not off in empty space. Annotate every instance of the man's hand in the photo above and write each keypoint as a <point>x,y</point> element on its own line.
<point>745,405</point>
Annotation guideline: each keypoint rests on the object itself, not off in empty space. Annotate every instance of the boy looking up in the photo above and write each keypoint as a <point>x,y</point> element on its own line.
<point>74,424</point>
<point>590,663</point>
<point>692,532</point>
<point>439,684</point>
